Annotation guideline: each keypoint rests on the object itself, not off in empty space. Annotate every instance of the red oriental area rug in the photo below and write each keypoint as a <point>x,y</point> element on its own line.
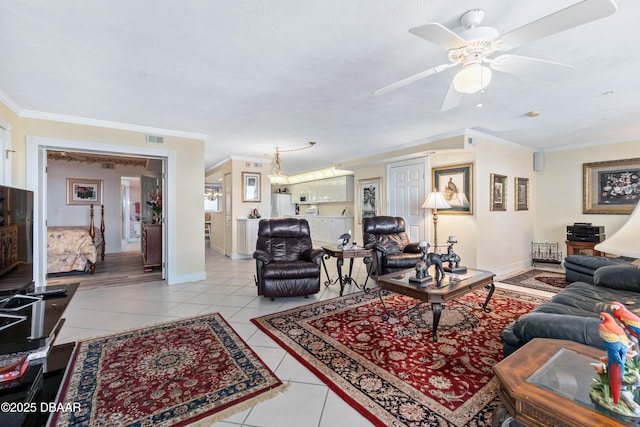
<point>539,279</point>
<point>172,374</point>
<point>391,371</point>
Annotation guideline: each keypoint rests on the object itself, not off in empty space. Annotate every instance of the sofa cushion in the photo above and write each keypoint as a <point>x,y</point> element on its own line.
<point>572,314</point>
<point>624,277</point>
<point>585,263</point>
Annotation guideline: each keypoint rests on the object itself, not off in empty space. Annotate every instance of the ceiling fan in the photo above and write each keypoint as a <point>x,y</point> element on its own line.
<point>472,49</point>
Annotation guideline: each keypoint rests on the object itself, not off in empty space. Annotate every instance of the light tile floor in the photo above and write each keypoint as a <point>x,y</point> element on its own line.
<point>230,290</point>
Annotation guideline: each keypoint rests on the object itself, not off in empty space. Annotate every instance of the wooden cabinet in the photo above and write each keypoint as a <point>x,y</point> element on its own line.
<point>581,248</point>
<point>151,246</point>
<point>8,247</point>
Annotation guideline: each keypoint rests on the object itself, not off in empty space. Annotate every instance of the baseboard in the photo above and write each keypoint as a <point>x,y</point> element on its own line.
<point>510,269</point>
<point>184,278</point>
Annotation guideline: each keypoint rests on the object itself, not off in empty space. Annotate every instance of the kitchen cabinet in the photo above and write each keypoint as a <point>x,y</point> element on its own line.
<point>247,235</point>
<point>330,190</point>
<point>328,229</point>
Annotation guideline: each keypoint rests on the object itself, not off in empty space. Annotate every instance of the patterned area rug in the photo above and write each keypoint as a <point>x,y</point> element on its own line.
<point>391,371</point>
<point>171,374</point>
<point>539,279</point>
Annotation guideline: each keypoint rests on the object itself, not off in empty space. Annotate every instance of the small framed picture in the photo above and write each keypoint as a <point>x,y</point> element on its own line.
<point>521,186</point>
<point>250,186</point>
<point>498,193</point>
<point>369,198</point>
<point>81,191</point>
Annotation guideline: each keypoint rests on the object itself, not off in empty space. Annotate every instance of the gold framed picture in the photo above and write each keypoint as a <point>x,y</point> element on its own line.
<point>521,188</point>
<point>610,187</point>
<point>82,191</point>
<point>498,192</point>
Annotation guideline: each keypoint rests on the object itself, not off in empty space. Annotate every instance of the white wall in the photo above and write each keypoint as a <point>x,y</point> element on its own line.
<point>59,213</point>
<point>559,190</point>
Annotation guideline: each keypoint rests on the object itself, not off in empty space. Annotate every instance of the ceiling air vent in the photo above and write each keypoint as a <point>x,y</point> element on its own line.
<point>155,139</point>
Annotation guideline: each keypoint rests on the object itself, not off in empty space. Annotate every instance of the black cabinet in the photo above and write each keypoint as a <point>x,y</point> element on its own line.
<point>29,400</point>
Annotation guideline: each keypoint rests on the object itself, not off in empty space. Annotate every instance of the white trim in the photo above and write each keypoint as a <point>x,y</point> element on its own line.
<point>35,149</point>
<point>110,125</point>
<point>10,103</point>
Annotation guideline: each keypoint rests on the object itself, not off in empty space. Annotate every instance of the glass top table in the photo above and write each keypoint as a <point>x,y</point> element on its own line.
<point>547,383</point>
<point>570,374</point>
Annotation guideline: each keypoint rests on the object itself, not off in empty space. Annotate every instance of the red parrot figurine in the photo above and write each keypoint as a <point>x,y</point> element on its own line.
<point>628,319</point>
<point>616,343</point>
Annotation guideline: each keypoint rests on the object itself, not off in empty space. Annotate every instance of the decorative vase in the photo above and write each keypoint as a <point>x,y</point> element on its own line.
<point>156,219</point>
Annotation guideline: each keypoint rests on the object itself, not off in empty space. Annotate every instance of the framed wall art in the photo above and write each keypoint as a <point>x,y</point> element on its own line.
<point>456,184</point>
<point>369,198</point>
<point>498,193</point>
<point>521,188</point>
<point>251,186</point>
<point>81,191</point>
<point>611,187</point>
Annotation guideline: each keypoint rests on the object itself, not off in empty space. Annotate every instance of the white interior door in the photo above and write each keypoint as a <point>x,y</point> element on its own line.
<point>406,193</point>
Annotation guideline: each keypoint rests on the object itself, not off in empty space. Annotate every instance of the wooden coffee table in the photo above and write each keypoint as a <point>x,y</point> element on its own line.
<point>453,286</point>
<point>547,383</point>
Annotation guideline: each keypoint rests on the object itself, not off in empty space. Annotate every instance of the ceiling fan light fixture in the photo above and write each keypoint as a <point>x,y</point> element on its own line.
<point>472,78</point>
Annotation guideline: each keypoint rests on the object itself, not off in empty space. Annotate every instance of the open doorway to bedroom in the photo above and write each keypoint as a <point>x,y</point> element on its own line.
<point>51,203</point>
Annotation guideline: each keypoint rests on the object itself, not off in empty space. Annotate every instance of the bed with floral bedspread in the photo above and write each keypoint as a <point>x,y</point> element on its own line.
<point>72,248</point>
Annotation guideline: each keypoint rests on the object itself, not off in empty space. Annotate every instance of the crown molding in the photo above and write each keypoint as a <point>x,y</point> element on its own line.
<point>10,103</point>
<point>31,114</point>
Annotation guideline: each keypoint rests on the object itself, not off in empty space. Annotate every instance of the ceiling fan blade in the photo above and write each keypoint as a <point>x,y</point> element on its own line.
<point>452,99</point>
<point>572,16</point>
<point>530,67</point>
<point>414,78</point>
<point>437,34</point>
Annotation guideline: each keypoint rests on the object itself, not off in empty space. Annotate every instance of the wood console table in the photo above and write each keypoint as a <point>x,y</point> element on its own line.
<point>582,248</point>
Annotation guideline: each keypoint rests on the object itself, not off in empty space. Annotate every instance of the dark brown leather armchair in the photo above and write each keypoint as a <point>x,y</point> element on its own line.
<point>286,263</point>
<point>392,250</point>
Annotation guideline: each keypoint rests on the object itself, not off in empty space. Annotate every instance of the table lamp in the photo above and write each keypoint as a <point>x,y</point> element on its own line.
<point>435,200</point>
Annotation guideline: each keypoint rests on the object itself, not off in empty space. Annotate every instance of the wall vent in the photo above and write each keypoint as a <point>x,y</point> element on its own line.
<point>155,139</point>
<point>108,165</point>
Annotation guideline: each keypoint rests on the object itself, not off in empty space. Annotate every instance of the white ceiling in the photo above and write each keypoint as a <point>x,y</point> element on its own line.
<point>256,75</point>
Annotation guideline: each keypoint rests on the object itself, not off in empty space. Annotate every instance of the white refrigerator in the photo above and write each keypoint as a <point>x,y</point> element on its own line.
<point>281,205</point>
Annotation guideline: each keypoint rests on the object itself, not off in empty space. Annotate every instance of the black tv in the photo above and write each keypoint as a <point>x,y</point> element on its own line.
<point>16,239</point>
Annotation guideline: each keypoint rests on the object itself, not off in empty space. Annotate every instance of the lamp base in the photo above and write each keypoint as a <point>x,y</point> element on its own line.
<point>420,281</point>
<point>455,270</point>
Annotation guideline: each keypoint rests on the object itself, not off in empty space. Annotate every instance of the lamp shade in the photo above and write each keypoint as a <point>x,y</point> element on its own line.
<point>625,241</point>
<point>472,78</point>
<point>435,200</point>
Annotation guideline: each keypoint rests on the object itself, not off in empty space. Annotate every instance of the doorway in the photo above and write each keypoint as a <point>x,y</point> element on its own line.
<point>131,214</point>
<point>36,154</point>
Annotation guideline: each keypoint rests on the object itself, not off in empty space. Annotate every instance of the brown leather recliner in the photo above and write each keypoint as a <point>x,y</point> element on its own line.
<point>392,250</point>
<point>286,263</point>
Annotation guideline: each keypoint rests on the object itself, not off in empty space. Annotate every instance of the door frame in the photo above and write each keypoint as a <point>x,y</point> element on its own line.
<point>36,160</point>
